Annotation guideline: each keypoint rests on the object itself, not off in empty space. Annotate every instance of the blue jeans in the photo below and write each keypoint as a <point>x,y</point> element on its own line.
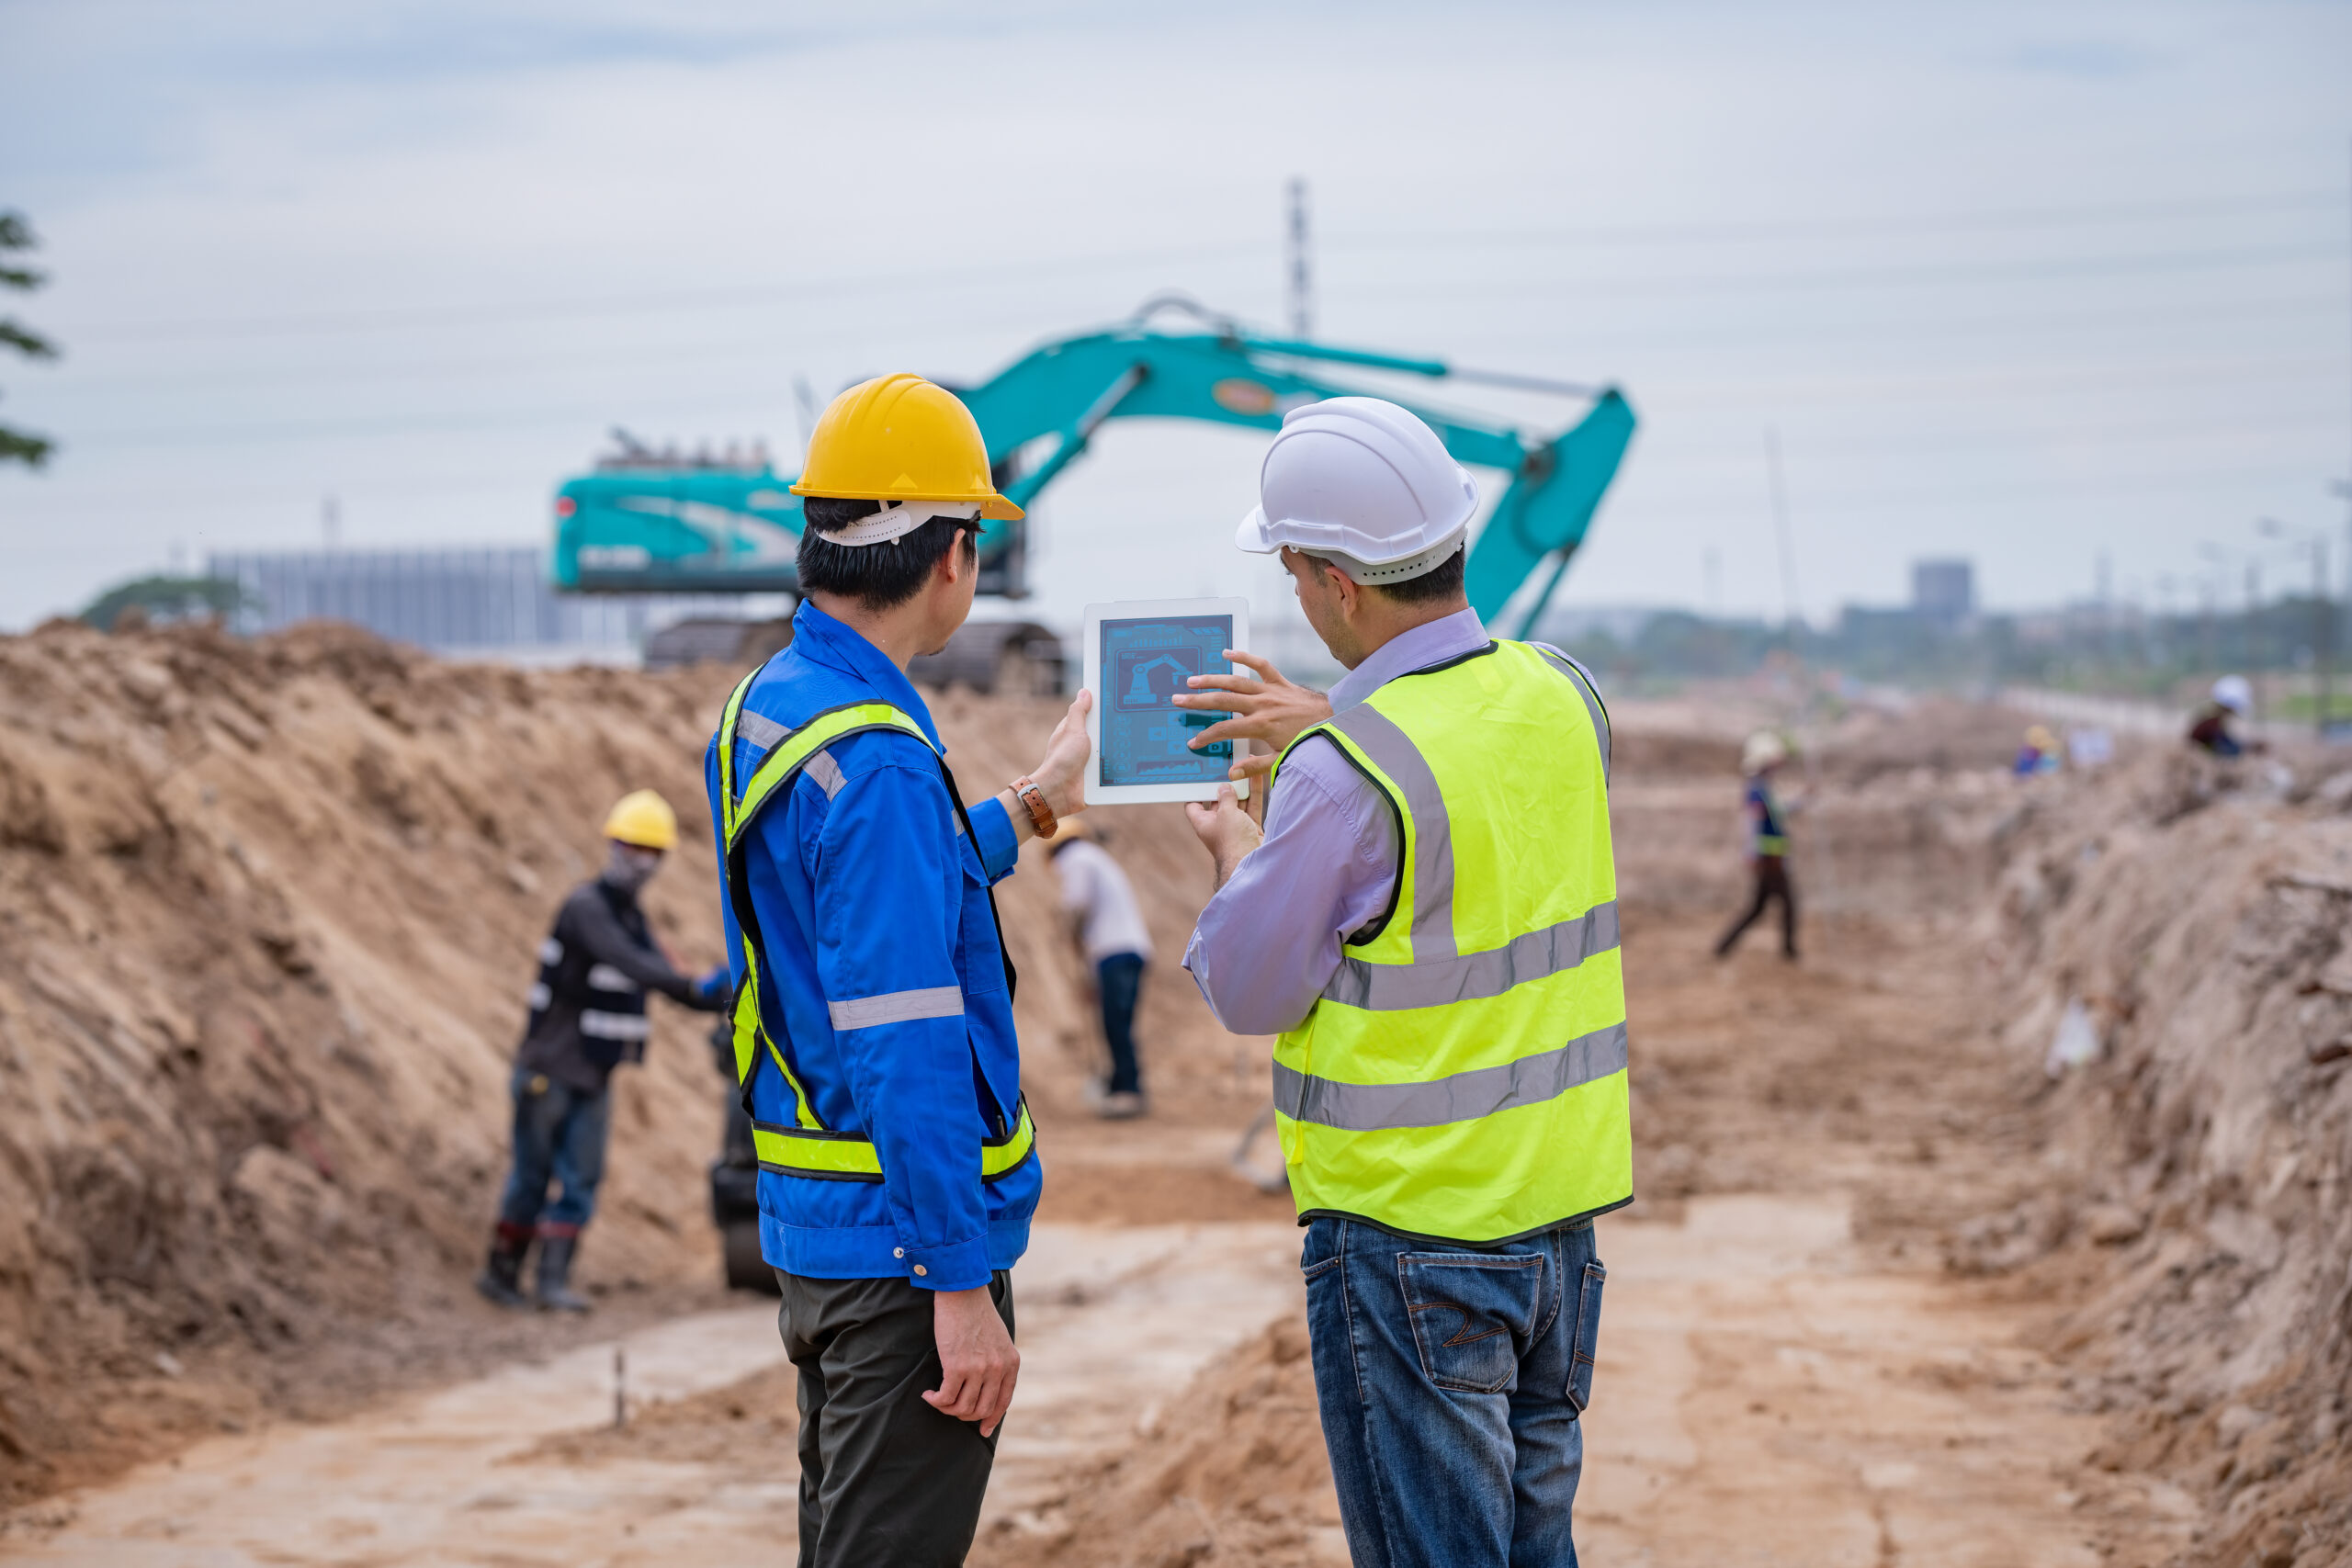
<point>560,1136</point>
<point>1450,1380</point>
<point>1118,979</point>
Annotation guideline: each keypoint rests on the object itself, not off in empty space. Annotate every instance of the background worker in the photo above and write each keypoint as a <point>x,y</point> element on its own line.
<point>1108,928</point>
<point>2211,731</point>
<point>1429,922</point>
<point>2039,755</point>
<point>873,1019</point>
<point>587,1017</point>
<point>1768,842</point>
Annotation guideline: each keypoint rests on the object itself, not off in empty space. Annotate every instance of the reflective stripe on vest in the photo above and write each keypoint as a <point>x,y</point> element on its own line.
<point>809,1149</point>
<point>1463,1075</point>
<point>844,1156</point>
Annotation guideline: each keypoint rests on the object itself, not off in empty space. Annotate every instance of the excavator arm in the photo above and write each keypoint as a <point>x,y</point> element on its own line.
<point>1041,413</point>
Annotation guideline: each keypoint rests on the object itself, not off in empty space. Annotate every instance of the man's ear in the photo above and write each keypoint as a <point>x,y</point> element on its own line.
<point>952,564</point>
<point>1346,589</point>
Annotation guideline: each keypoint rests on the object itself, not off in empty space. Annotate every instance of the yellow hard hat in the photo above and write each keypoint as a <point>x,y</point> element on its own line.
<point>643,818</point>
<point>902,438</point>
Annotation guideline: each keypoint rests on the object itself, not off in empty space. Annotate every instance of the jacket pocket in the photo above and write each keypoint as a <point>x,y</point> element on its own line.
<point>979,954</point>
<point>1472,1315</point>
<point>1585,1344</point>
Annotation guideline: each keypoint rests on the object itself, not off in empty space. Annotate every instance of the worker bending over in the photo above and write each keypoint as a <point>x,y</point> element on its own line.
<point>874,1016</point>
<point>1429,924</point>
<point>1107,926</point>
<point>1767,843</point>
<point>587,1017</point>
<point>2232,698</point>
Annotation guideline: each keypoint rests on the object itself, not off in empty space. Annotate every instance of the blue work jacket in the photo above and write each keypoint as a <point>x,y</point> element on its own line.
<point>868,891</point>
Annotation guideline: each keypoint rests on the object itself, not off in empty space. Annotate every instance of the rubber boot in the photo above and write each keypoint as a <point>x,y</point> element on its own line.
<point>501,1280</point>
<point>556,1293</point>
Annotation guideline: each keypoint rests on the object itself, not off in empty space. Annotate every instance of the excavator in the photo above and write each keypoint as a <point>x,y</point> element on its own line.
<point>649,521</point>
<point>654,522</point>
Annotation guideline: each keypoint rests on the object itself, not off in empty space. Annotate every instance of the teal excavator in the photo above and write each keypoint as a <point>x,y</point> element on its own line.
<point>649,521</point>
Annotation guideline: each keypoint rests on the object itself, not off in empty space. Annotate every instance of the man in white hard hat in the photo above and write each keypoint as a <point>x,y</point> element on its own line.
<point>1767,843</point>
<point>2232,698</point>
<point>1429,922</point>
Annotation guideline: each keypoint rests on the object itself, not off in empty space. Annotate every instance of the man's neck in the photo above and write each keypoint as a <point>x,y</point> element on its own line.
<point>1385,623</point>
<point>900,633</point>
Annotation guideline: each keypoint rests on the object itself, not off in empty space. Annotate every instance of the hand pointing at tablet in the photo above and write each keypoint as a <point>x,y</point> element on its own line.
<point>1271,708</point>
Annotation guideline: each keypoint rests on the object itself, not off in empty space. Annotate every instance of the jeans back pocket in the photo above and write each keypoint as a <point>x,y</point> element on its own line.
<point>1584,1344</point>
<point>1472,1315</point>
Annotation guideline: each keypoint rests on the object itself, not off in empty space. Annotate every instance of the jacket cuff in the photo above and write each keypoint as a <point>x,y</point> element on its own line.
<point>962,1266</point>
<point>992,835</point>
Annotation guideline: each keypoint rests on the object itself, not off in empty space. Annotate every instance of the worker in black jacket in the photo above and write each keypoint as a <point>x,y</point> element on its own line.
<point>587,1017</point>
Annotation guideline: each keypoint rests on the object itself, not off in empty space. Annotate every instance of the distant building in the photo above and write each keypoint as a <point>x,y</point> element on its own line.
<point>1943,591</point>
<point>493,603</point>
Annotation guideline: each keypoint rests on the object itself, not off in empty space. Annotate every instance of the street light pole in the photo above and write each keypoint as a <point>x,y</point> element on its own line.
<point>2324,616</point>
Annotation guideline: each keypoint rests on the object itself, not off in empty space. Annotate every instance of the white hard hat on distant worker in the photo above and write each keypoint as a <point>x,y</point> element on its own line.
<point>911,444</point>
<point>2233,693</point>
<point>1366,486</point>
<point>1763,750</point>
<point>643,820</point>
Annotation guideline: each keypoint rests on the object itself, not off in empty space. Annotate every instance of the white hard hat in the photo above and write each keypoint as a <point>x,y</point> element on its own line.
<point>2234,693</point>
<point>1763,750</point>
<point>1366,484</point>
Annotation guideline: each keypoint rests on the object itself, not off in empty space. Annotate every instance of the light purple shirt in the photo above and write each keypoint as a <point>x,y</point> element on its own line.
<point>1269,941</point>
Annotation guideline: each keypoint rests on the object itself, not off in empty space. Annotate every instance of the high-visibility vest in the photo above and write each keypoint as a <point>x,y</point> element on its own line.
<point>808,1148</point>
<point>1463,1075</point>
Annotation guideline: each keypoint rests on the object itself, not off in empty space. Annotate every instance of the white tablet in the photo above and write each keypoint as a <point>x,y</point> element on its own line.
<point>1138,654</point>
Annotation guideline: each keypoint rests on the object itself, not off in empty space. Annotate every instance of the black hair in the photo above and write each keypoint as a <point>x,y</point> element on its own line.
<point>879,576</point>
<point>1440,582</point>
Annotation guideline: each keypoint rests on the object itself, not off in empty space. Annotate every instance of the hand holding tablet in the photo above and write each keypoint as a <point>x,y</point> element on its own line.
<point>1140,657</point>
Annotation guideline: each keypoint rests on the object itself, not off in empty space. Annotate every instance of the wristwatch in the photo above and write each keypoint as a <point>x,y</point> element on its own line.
<point>1041,816</point>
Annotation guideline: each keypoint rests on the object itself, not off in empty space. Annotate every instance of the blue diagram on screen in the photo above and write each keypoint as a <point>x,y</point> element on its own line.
<point>1145,663</point>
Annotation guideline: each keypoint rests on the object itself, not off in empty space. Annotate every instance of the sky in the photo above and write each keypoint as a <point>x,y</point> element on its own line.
<point>2034,285</point>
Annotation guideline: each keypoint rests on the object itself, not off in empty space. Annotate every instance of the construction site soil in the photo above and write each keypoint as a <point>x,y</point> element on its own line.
<point>1904,1285</point>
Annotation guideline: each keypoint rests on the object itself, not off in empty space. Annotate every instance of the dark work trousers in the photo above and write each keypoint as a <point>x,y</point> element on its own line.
<point>886,1481</point>
<point>1118,979</point>
<point>560,1134</point>
<point>1772,882</point>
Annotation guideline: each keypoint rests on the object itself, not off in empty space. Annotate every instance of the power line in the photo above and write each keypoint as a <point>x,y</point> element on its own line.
<point>631,303</point>
<point>1828,390</point>
<point>1711,234</point>
<point>735,351</point>
<point>1872,277</point>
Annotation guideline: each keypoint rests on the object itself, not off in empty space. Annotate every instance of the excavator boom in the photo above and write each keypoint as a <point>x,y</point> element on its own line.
<point>641,524</point>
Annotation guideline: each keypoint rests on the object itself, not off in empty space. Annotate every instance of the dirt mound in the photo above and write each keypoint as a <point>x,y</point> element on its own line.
<point>2190,1206</point>
<point>270,910</point>
<point>1233,1472</point>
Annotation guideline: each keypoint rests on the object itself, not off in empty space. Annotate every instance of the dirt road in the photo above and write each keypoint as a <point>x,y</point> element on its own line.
<point>524,1467</point>
<point>1789,1375</point>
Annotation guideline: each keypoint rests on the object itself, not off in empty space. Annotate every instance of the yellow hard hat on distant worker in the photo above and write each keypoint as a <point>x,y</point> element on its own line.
<point>900,438</point>
<point>643,818</point>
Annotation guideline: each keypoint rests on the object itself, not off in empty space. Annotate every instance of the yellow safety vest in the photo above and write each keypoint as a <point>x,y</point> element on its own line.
<point>1463,1075</point>
<point>809,1147</point>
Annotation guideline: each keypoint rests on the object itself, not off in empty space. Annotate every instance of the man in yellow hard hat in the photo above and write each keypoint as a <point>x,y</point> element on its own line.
<point>874,1036</point>
<point>587,1017</point>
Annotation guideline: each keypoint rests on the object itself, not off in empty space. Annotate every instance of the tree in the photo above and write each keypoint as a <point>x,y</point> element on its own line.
<point>16,235</point>
<point>163,600</point>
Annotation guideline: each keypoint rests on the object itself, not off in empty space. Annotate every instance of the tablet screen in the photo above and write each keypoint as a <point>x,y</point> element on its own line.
<point>1146,662</point>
